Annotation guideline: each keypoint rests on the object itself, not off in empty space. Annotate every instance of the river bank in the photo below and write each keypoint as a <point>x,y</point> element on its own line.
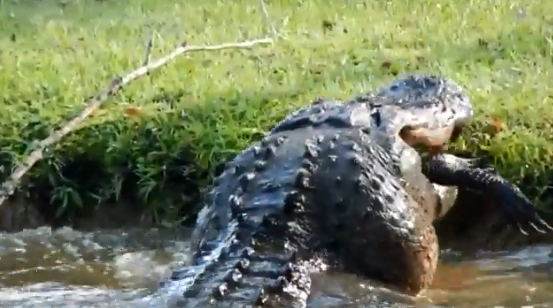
<point>155,144</point>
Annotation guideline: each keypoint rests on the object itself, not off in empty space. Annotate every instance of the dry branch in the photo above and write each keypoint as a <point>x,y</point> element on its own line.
<point>268,18</point>
<point>9,186</point>
<point>149,48</point>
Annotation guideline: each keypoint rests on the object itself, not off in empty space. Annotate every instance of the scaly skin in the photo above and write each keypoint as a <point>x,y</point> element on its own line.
<point>340,181</point>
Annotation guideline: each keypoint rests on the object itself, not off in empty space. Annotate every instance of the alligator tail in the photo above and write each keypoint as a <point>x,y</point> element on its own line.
<point>242,254</point>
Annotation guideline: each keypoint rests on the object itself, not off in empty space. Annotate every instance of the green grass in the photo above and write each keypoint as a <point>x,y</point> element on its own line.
<point>207,106</point>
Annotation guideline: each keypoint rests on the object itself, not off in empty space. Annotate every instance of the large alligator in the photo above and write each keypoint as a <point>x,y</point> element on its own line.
<point>339,183</point>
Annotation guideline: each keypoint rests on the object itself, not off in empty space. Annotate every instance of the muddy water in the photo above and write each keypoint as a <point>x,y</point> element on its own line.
<point>68,268</point>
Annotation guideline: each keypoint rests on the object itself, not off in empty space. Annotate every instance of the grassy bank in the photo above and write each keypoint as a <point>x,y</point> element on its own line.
<point>163,135</point>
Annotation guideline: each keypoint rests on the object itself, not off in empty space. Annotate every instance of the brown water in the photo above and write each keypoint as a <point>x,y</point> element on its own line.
<point>68,268</point>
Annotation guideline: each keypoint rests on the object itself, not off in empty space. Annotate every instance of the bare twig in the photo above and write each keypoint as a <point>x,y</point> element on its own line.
<point>149,47</point>
<point>268,18</point>
<point>9,186</point>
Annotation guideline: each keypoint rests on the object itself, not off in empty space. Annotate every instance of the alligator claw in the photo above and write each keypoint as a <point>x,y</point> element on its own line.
<point>544,223</point>
<point>522,230</point>
<point>538,224</point>
<point>536,228</point>
<point>450,170</point>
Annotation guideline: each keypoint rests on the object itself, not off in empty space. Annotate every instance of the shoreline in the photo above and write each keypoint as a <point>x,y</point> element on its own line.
<point>472,224</point>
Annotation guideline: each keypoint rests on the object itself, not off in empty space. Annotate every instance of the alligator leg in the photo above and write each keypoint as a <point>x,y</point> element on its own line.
<point>377,227</point>
<point>450,170</point>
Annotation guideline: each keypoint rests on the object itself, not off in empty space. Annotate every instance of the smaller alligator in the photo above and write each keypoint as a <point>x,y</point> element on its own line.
<point>339,183</point>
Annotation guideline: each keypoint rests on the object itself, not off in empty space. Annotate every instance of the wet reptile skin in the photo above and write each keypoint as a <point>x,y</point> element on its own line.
<point>335,183</point>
